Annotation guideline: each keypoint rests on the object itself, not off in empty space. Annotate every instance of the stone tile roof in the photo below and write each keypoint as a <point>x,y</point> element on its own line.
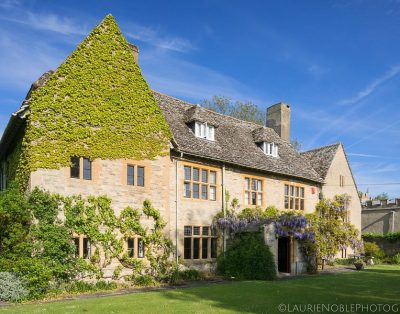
<point>321,158</point>
<point>235,140</point>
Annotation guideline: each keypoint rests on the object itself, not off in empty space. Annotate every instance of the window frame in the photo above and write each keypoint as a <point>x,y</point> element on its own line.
<point>138,180</point>
<point>292,198</point>
<point>199,187</point>
<point>204,130</point>
<point>193,244</point>
<point>341,181</point>
<point>75,168</point>
<point>87,168</point>
<point>248,190</point>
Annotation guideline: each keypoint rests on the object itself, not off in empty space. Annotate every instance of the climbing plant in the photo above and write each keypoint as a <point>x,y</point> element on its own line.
<point>96,104</point>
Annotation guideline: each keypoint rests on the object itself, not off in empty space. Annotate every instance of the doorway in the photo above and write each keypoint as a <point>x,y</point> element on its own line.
<point>284,255</point>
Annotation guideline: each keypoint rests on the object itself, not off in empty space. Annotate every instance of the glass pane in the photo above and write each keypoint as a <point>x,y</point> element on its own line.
<point>213,177</point>
<point>291,190</point>
<point>186,190</point>
<point>140,176</point>
<point>206,231</point>
<point>187,230</point>
<point>213,247</point>
<point>246,198</point>
<point>286,189</point>
<point>302,192</point>
<point>204,192</point>
<point>196,188</point>
<point>87,169</point>
<point>291,204</point>
<point>213,194</point>
<point>259,185</point>
<point>131,247</point>
<point>253,198</point>
<point>76,243</point>
<point>210,134</point>
<point>204,248</point>
<point>296,203</point>
<point>196,230</point>
<point>302,204</point>
<point>196,248</point>
<point>140,248</point>
<point>286,202</point>
<point>259,199</point>
<point>247,184</point>
<point>131,175</point>
<point>188,174</point>
<point>75,169</point>
<point>297,191</point>
<point>204,176</point>
<point>187,248</point>
<point>196,174</point>
<point>86,248</point>
<point>254,185</point>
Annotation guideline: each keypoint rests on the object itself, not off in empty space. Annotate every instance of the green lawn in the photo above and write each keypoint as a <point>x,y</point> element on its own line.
<point>377,285</point>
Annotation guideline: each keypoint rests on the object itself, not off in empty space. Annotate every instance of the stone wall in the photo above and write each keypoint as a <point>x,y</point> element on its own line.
<point>382,219</point>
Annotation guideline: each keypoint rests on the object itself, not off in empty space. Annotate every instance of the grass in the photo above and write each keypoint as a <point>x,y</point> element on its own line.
<point>376,285</point>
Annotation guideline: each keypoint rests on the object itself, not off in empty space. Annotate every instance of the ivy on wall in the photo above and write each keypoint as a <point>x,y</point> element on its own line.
<point>97,104</point>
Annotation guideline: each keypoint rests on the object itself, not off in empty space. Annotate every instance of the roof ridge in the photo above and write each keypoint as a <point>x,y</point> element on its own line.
<point>322,147</point>
<point>218,113</point>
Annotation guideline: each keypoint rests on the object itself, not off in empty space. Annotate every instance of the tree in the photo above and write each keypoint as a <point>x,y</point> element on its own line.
<point>382,197</point>
<point>296,144</point>
<point>246,111</point>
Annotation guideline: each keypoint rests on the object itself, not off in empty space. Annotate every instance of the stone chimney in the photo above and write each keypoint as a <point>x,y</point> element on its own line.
<point>135,52</point>
<point>278,118</point>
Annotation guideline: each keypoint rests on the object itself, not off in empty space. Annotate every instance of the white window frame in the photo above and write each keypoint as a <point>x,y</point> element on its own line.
<point>204,130</point>
<point>270,149</point>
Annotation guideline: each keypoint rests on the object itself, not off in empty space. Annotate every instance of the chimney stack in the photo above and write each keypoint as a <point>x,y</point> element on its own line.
<point>135,52</point>
<point>278,118</point>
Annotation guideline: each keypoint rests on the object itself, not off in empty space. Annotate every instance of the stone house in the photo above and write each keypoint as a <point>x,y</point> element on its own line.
<point>209,154</point>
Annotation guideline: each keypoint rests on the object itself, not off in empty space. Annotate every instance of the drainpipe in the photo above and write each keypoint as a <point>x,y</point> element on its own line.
<point>223,207</point>
<point>393,212</point>
<point>177,210</point>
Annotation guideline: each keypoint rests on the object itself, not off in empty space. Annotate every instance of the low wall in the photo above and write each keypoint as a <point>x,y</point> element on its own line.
<point>390,247</point>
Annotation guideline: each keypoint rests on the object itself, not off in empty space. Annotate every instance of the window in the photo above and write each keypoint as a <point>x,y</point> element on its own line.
<point>294,197</point>
<point>75,167</point>
<point>253,194</point>
<point>87,169</point>
<point>130,247</point>
<point>131,175</point>
<point>341,181</point>
<point>204,130</point>
<point>140,248</point>
<point>86,248</point>
<point>199,243</point>
<point>270,149</point>
<point>140,176</point>
<point>77,246</point>
<point>200,183</point>
<point>83,247</point>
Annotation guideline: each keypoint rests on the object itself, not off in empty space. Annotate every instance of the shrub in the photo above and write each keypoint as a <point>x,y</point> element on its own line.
<point>35,273</point>
<point>12,288</point>
<point>395,259</point>
<point>82,286</point>
<point>344,261</point>
<point>190,274</point>
<point>144,281</point>
<point>372,249</point>
<point>247,257</point>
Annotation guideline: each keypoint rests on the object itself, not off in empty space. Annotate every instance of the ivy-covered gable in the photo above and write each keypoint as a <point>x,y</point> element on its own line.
<point>97,104</point>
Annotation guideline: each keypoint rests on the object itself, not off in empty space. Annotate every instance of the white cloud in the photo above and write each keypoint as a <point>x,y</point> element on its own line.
<point>157,38</point>
<point>181,78</point>
<point>363,155</point>
<point>47,22</point>
<point>371,87</point>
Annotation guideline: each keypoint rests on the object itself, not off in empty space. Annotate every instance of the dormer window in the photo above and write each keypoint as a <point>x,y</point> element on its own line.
<point>204,130</point>
<point>269,149</point>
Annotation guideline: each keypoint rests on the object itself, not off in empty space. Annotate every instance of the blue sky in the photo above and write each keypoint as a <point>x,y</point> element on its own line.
<point>336,62</point>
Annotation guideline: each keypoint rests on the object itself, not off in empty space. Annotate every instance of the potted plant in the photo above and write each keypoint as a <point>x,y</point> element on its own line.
<point>359,264</point>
